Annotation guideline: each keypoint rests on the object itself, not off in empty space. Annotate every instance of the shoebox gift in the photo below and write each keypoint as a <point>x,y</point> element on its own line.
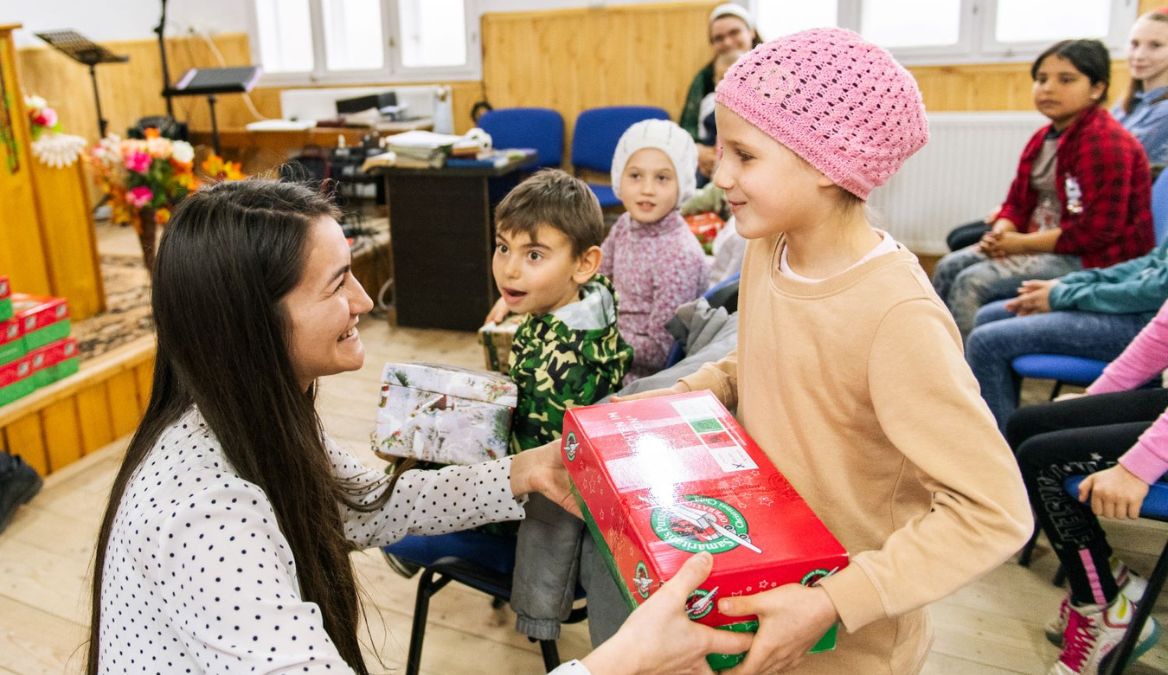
<point>5,299</point>
<point>54,361</point>
<point>16,380</point>
<point>496,339</point>
<point>11,340</point>
<point>444,414</point>
<point>663,478</point>
<point>43,319</point>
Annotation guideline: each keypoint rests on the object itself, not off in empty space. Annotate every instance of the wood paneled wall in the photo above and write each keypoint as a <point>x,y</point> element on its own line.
<point>55,426</point>
<point>131,90</point>
<point>575,59</point>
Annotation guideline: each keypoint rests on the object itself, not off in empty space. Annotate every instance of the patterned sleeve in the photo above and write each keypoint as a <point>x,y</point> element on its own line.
<point>1020,199</point>
<point>679,280</point>
<point>426,502</point>
<point>1109,169</point>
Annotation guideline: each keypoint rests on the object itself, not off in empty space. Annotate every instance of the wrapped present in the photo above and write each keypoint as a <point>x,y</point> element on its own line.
<point>55,361</point>
<point>11,340</point>
<point>496,340</point>
<point>5,299</point>
<point>443,414</point>
<point>16,380</point>
<point>705,226</point>
<point>661,479</point>
<point>43,319</point>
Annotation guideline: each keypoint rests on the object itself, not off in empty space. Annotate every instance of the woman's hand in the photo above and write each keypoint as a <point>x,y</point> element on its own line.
<point>497,313</point>
<point>1033,297</point>
<point>541,470</point>
<point>659,638</point>
<point>792,618</point>
<point>1114,493</point>
<point>677,388</point>
<point>707,159</point>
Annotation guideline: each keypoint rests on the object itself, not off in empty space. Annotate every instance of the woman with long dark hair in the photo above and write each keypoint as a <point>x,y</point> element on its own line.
<point>226,543</point>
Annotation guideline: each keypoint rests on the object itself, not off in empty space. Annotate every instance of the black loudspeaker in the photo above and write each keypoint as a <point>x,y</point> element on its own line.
<point>385,99</point>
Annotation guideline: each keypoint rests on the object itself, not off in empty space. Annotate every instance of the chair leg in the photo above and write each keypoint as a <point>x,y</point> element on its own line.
<point>1028,550</point>
<point>427,587</point>
<point>551,655</point>
<point>1143,610</point>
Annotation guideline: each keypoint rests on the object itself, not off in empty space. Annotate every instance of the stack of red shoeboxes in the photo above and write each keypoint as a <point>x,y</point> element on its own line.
<point>661,479</point>
<point>35,347</point>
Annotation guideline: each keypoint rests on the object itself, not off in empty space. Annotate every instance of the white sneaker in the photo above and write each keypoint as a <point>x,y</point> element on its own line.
<point>1093,633</point>
<point>1131,585</point>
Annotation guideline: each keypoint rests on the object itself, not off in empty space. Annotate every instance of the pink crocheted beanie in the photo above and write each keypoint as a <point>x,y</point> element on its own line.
<point>842,104</point>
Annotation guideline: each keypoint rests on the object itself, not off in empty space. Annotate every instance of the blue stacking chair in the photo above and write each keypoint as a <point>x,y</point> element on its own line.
<point>594,140</point>
<point>1076,370</point>
<point>1155,507</point>
<point>677,351</point>
<point>474,558</point>
<point>538,128</point>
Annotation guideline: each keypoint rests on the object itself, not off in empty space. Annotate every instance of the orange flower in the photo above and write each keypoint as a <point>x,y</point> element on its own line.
<point>162,216</point>
<point>152,132</point>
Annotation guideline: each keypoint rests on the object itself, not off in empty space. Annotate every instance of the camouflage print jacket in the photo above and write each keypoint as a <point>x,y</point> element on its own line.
<point>571,357</point>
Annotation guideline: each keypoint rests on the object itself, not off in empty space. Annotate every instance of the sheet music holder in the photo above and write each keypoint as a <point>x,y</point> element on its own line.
<point>211,81</point>
<point>82,50</point>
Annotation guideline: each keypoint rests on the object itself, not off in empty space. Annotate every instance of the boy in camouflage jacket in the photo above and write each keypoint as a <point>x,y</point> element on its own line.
<point>566,353</point>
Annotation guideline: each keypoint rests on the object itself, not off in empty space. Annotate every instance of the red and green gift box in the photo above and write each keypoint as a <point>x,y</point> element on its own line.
<point>42,319</point>
<point>11,341</point>
<point>663,478</point>
<point>54,361</point>
<point>5,299</point>
<point>17,380</point>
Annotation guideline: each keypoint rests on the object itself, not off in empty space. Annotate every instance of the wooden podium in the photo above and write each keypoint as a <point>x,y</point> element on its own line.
<point>47,241</point>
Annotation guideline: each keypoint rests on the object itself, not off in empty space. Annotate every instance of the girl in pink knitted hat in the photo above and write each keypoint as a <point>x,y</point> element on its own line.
<point>849,369</point>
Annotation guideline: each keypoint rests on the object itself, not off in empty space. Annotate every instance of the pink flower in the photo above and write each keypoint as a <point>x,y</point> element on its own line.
<point>46,117</point>
<point>140,196</point>
<point>138,161</point>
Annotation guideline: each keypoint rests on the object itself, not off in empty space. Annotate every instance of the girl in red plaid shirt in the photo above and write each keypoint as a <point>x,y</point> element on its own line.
<point>1081,197</point>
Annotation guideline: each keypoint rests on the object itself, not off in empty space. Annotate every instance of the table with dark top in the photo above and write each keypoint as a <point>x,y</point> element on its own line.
<point>442,234</point>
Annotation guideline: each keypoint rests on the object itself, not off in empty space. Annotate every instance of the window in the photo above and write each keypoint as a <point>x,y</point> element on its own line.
<point>955,31</point>
<point>302,41</point>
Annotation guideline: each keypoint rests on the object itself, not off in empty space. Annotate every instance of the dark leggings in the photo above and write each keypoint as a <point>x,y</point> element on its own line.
<point>1074,438</point>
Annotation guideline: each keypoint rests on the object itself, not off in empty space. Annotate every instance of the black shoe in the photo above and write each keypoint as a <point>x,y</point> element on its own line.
<point>403,567</point>
<point>19,483</point>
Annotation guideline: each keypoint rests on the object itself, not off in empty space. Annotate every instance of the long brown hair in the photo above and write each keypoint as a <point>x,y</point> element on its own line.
<point>228,257</point>
<point>1137,86</point>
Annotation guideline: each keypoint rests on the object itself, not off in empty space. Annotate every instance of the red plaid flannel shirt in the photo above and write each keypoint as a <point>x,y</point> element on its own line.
<point>1111,168</point>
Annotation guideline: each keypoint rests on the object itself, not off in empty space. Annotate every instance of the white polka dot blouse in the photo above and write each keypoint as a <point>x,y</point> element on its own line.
<point>198,577</point>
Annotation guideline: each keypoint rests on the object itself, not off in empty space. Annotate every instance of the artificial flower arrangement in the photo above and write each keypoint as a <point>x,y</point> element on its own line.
<point>42,119</point>
<point>52,147</point>
<point>144,179</point>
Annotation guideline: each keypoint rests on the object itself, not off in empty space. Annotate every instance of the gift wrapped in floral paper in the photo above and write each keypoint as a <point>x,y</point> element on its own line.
<point>444,414</point>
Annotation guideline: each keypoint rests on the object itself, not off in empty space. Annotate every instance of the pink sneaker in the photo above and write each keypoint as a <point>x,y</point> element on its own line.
<point>1093,632</point>
<point>1130,585</point>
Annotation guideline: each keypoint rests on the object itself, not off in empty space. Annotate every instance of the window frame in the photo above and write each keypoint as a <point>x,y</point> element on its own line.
<point>392,69</point>
<point>976,41</point>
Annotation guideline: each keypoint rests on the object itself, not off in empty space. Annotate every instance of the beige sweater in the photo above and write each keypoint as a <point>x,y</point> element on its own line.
<point>857,390</point>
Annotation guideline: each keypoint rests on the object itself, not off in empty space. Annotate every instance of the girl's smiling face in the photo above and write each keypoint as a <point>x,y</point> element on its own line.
<point>1148,51</point>
<point>649,186</point>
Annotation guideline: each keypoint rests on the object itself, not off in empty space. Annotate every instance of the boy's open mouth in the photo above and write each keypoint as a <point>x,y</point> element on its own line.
<point>511,295</point>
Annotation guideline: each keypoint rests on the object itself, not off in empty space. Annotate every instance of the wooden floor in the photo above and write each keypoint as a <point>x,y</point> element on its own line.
<point>46,557</point>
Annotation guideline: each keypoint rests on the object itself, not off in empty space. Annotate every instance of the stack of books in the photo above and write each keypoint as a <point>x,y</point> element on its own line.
<point>426,149</point>
<point>35,347</point>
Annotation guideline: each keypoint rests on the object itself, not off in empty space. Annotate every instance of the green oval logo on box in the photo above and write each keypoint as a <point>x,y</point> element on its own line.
<point>699,523</point>
<point>571,445</point>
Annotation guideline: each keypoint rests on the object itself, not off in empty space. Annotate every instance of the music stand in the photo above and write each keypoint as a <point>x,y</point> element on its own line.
<point>211,81</point>
<point>80,49</point>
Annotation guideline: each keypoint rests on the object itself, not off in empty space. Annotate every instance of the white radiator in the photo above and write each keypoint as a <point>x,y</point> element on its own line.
<point>961,175</point>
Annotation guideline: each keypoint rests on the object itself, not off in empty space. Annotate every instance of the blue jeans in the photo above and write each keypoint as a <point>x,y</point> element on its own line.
<point>967,279</point>
<point>999,337</point>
